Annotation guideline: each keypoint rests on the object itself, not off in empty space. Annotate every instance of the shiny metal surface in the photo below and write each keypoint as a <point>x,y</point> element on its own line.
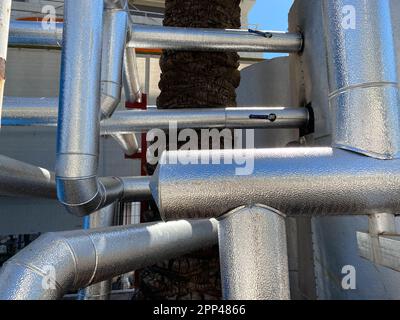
<point>298,181</point>
<point>133,121</point>
<point>114,35</point>
<point>381,245</point>
<point>5,13</point>
<point>79,110</point>
<point>253,254</point>
<point>136,189</point>
<point>20,111</point>
<point>38,112</point>
<point>32,34</point>
<point>99,291</point>
<point>132,86</point>
<point>127,142</point>
<point>383,250</point>
<point>60,262</point>
<point>364,88</point>
<point>101,219</point>
<point>24,180</point>
<point>382,223</point>
<point>146,36</point>
<point>114,4</point>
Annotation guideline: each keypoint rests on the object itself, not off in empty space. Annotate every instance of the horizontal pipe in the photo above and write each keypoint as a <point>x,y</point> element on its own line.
<point>296,181</point>
<point>132,121</point>
<point>60,262</point>
<point>21,111</point>
<point>146,36</point>
<point>37,112</point>
<point>135,188</point>
<point>21,179</point>
<point>25,180</point>
<point>35,34</point>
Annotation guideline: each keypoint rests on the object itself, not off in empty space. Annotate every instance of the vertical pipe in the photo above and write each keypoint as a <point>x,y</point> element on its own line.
<point>128,217</point>
<point>100,219</point>
<point>133,90</point>
<point>5,13</point>
<point>114,36</point>
<point>79,108</point>
<point>382,223</point>
<point>363,79</point>
<point>253,254</point>
<point>127,142</point>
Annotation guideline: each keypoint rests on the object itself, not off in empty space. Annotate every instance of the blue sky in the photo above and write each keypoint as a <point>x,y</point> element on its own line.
<point>270,15</point>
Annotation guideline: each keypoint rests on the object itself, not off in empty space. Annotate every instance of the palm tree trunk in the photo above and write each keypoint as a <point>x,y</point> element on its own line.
<point>189,80</point>
<point>200,79</point>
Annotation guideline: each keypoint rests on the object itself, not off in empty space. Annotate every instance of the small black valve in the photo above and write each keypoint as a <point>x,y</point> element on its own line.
<point>269,117</point>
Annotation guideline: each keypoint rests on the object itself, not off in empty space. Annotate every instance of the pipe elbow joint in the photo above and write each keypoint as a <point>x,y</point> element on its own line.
<point>82,197</point>
<point>110,98</point>
<point>43,276</point>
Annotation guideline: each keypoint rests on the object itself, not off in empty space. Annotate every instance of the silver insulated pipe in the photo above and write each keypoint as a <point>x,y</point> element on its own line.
<point>295,181</point>
<point>21,179</point>
<point>198,39</point>
<point>32,34</point>
<point>114,35</point>
<point>78,187</point>
<point>363,79</point>
<point>60,262</point>
<point>101,219</point>
<point>253,254</point>
<point>19,111</point>
<point>29,34</point>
